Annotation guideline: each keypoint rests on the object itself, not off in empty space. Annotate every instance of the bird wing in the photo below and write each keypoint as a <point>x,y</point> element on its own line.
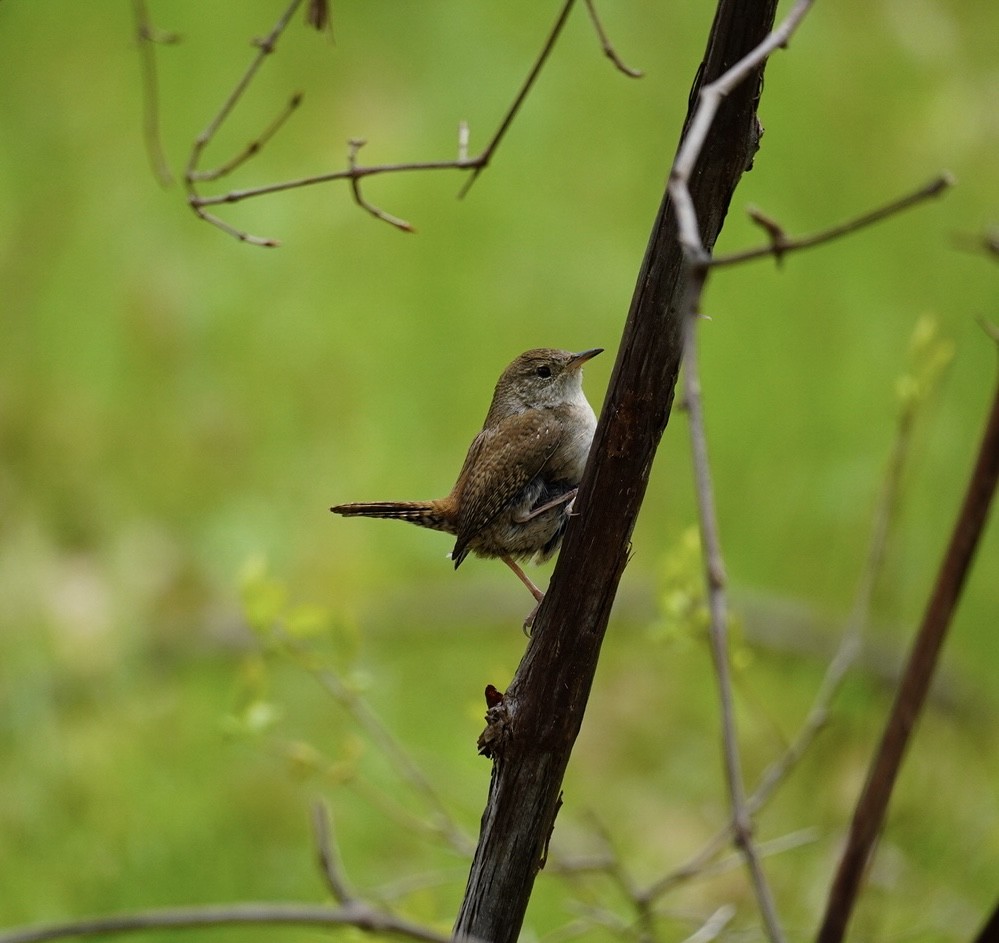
<point>518,448</point>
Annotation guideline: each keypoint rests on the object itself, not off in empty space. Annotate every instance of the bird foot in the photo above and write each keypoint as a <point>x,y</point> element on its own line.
<point>569,496</point>
<point>529,621</point>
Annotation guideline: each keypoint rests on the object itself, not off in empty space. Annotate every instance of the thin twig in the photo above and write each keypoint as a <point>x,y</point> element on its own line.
<point>264,48</point>
<point>358,172</point>
<point>354,146</point>
<point>253,914</point>
<point>606,45</point>
<point>253,148</point>
<point>718,608</point>
<point>393,751</point>
<point>148,37</point>
<point>872,805</point>
<point>354,173</point>
<point>714,926</point>
<point>711,97</point>
<point>329,858</point>
<point>836,671</point>
<point>986,243</point>
<point>482,161</point>
<point>780,243</point>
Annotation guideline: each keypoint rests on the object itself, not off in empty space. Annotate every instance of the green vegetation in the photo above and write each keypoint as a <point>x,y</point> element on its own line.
<point>178,410</point>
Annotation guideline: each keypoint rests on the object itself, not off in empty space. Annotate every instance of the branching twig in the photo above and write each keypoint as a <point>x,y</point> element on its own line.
<point>405,766</point>
<point>606,45</point>
<point>251,149</point>
<point>870,812</point>
<point>148,37</point>
<point>354,173</point>
<point>264,48</point>
<point>711,97</point>
<point>351,910</point>
<point>482,161</point>
<point>781,243</point>
<point>355,185</point>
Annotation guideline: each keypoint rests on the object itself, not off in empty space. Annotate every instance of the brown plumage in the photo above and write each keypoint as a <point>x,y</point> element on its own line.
<point>514,492</point>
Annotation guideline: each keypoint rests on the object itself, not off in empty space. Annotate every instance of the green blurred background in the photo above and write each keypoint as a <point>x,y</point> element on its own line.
<point>178,410</point>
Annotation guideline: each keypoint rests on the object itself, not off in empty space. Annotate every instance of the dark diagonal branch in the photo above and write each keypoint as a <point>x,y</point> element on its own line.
<point>910,697</point>
<point>533,730</point>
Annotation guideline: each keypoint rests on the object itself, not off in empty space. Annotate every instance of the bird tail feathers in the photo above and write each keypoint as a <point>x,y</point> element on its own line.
<point>422,513</point>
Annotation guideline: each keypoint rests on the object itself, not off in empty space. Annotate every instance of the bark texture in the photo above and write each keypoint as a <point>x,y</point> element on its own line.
<point>533,727</point>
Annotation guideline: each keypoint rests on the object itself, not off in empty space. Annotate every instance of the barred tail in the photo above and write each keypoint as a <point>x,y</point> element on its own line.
<point>423,513</point>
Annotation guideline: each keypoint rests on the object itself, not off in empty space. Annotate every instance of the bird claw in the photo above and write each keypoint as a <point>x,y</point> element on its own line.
<point>529,621</point>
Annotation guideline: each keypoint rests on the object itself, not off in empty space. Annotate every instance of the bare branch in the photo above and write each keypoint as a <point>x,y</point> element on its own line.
<point>710,98</point>
<point>845,656</point>
<point>148,37</point>
<point>329,858</point>
<point>264,48</point>
<point>990,930</point>
<point>781,243</point>
<point>355,185</point>
<point>718,609</point>
<point>247,914</point>
<point>251,149</point>
<point>606,45</point>
<point>482,161</point>
<point>872,805</point>
<point>367,720</point>
<point>354,172</point>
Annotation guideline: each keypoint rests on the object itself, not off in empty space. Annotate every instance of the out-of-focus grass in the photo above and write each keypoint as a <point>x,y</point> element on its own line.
<point>174,404</point>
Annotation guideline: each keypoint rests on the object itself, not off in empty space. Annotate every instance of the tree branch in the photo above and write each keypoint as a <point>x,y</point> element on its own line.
<point>538,720</point>
<point>872,805</point>
<point>780,243</point>
<point>258,914</point>
<point>148,37</point>
<point>742,826</point>
<point>354,172</point>
<point>607,46</point>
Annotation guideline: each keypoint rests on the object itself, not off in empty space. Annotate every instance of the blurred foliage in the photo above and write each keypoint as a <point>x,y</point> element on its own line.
<point>176,407</point>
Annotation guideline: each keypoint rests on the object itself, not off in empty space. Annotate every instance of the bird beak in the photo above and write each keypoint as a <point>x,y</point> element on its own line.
<point>579,359</point>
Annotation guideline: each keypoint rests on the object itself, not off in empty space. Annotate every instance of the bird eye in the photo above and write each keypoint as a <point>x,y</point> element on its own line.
<point>544,372</point>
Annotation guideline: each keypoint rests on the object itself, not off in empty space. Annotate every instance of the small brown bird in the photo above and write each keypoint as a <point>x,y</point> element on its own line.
<point>515,491</point>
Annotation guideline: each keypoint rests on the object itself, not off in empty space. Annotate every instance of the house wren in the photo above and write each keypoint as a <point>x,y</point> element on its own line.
<point>515,491</point>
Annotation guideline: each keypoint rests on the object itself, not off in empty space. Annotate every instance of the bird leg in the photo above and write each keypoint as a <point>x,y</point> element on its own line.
<point>529,583</point>
<point>569,496</point>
